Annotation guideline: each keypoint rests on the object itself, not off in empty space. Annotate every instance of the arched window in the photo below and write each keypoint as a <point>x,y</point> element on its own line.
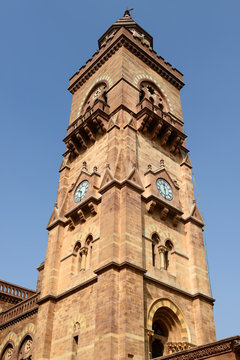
<point>75,339</point>
<point>89,245</point>
<point>155,242</point>
<point>97,94</point>
<point>25,352</point>
<point>169,248</point>
<point>150,91</point>
<point>77,260</point>
<point>8,352</point>
<point>165,329</point>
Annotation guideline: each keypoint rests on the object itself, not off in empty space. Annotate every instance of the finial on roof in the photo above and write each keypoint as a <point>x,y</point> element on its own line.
<point>127,12</point>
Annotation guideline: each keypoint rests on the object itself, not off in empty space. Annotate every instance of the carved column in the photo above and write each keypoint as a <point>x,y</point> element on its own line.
<point>162,249</point>
<point>83,253</point>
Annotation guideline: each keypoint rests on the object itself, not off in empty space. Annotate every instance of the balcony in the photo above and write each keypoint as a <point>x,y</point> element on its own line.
<point>21,309</point>
<point>161,126</point>
<point>84,130</point>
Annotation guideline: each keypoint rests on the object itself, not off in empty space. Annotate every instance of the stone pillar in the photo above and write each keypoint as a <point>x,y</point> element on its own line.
<point>83,254</point>
<point>162,249</point>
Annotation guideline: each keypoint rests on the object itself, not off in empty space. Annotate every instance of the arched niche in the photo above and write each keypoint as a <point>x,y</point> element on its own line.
<point>26,348</point>
<point>97,94</point>
<point>8,350</point>
<point>150,91</point>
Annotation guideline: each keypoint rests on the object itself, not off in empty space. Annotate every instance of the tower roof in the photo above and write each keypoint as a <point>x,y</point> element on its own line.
<point>125,21</point>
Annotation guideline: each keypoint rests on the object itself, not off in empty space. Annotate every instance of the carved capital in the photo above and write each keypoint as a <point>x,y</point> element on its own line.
<point>150,333</point>
<point>84,250</point>
<point>162,249</point>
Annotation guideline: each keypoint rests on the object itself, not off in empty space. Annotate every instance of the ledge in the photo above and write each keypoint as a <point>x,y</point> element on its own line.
<point>124,38</point>
<point>119,266</point>
<point>182,292</point>
<point>56,298</point>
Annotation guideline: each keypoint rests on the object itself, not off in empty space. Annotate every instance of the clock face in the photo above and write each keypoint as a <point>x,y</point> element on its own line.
<point>81,191</point>
<point>164,189</point>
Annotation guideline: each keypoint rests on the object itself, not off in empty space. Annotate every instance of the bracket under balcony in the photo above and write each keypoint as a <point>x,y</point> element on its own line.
<point>85,129</point>
<point>161,126</point>
<point>79,213</point>
<point>165,210</point>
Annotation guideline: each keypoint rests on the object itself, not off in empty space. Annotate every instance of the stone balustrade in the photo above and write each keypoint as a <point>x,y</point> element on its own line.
<point>174,347</point>
<point>19,309</point>
<point>14,290</point>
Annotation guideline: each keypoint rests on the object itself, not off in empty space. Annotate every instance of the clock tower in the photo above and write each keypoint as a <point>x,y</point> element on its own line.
<point>125,274</point>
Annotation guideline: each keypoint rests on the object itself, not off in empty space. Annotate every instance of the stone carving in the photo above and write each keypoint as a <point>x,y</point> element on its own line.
<point>8,353</point>
<point>76,326</point>
<point>174,347</point>
<point>141,37</point>
<point>28,345</point>
<point>202,352</point>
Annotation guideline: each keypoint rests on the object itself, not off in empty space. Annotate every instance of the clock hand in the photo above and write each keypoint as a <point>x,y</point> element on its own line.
<point>165,192</point>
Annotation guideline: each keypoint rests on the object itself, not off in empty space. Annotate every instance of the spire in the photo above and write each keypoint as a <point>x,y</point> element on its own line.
<point>127,22</point>
<point>126,19</point>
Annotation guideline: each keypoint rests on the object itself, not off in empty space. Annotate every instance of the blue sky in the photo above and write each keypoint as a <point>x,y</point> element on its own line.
<point>43,43</point>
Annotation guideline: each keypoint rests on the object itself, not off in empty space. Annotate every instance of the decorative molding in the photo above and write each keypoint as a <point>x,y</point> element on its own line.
<point>144,76</point>
<point>126,39</point>
<point>164,302</point>
<point>119,266</point>
<point>205,351</point>
<point>68,292</point>
<point>198,295</point>
<point>164,235</point>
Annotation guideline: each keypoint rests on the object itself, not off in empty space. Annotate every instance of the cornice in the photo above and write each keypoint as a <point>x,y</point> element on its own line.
<point>179,291</point>
<point>120,184</point>
<point>123,37</point>
<point>193,220</point>
<point>56,298</point>
<point>119,266</point>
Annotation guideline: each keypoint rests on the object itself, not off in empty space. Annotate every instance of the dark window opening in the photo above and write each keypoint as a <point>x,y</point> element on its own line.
<point>157,348</point>
<point>105,97</point>
<point>158,329</point>
<point>153,255</point>
<point>151,90</point>
<point>141,96</point>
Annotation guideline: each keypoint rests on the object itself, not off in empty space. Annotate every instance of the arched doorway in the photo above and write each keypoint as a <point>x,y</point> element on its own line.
<point>166,326</point>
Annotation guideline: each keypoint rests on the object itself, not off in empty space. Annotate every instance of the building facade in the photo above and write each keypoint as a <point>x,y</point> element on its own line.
<point>125,274</point>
